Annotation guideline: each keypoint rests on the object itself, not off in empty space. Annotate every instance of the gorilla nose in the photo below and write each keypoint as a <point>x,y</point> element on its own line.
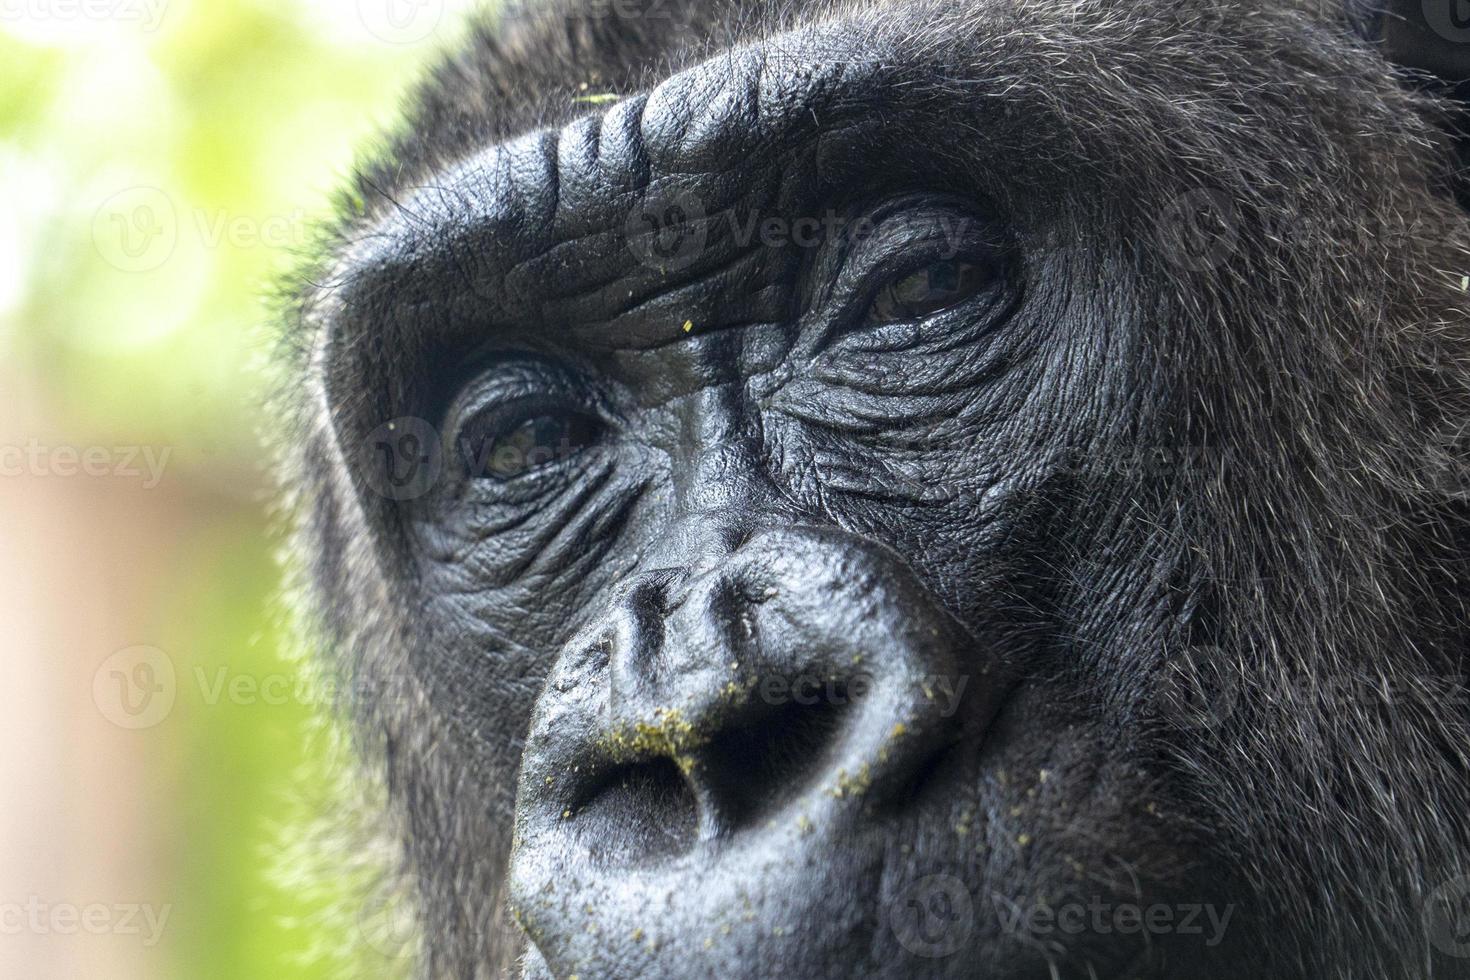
<point>806,679</point>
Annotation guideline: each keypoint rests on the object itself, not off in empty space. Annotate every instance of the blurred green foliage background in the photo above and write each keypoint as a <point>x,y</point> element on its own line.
<point>162,161</point>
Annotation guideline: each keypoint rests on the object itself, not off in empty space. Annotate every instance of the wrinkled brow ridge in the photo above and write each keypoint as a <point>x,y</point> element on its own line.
<point>494,235</point>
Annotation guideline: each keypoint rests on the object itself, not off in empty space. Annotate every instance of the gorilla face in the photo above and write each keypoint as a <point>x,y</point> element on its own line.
<point>887,493</point>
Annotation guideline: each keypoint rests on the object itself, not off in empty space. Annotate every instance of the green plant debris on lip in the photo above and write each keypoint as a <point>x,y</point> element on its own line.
<point>899,731</point>
<point>670,734</point>
<point>848,785</point>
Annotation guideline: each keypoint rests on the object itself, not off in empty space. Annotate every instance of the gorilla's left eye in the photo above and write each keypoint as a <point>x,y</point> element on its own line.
<point>506,449</point>
<point>935,287</point>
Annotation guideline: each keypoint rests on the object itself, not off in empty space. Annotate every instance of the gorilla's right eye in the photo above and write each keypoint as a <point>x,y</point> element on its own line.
<point>497,445</point>
<point>916,256</point>
<point>936,287</point>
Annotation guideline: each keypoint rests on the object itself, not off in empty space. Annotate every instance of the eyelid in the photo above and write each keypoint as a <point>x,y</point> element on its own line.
<point>903,241</point>
<point>981,267</point>
<point>514,388</point>
<point>873,267</point>
<point>907,236</point>
<point>507,378</point>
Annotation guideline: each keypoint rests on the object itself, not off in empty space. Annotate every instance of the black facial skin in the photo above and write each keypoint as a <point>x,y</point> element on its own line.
<point>954,491</point>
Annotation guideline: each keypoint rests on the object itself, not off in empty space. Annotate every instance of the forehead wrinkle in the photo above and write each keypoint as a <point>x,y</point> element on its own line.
<point>459,247</point>
<point>753,97</point>
<point>443,244</point>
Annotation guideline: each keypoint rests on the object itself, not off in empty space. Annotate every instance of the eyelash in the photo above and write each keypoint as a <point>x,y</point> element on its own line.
<point>516,443</point>
<point>913,235</point>
<point>889,305</point>
<point>523,418</point>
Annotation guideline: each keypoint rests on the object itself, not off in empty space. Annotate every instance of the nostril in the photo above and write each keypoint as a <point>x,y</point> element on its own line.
<point>636,811</point>
<point>649,593</point>
<point>753,769</point>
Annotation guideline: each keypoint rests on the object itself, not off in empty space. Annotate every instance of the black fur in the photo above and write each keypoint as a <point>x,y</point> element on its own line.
<point>1221,440</point>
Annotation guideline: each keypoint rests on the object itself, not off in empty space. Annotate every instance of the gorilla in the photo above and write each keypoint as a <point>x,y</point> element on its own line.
<point>908,489</point>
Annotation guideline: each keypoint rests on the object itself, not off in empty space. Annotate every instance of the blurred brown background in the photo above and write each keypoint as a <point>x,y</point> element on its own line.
<point>161,163</point>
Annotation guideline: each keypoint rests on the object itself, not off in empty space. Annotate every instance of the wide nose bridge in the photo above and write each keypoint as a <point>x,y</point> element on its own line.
<point>721,491</point>
<point>696,540</point>
<point>657,651</point>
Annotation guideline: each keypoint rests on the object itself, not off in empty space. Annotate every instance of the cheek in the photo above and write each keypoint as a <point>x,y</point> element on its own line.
<point>499,591</point>
<point>966,508</point>
<point>481,660</point>
<point>482,537</point>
